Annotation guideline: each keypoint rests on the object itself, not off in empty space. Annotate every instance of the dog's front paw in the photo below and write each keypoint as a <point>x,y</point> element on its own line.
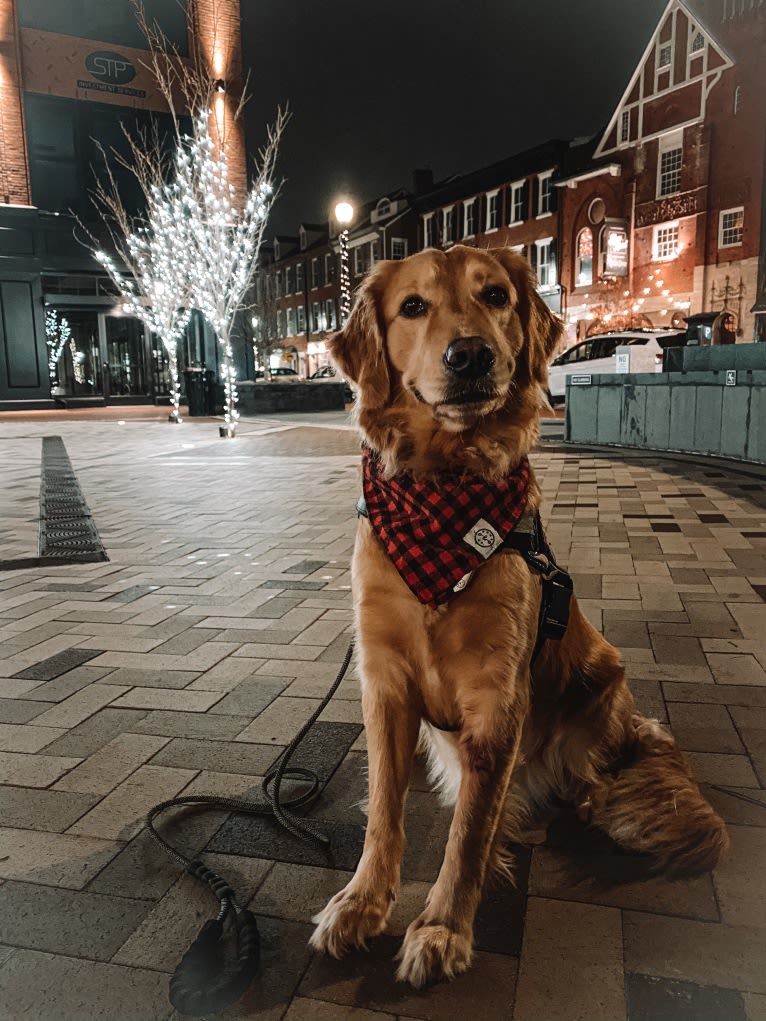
<point>432,951</point>
<point>349,919</point>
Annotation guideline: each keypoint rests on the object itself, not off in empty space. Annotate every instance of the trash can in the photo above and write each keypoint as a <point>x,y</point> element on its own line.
<point>199,391</point>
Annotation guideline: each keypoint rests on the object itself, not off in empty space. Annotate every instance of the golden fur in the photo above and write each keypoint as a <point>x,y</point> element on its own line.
<point>565,729</point>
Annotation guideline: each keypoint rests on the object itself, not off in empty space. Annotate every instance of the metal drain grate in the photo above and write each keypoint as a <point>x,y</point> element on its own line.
<point>67,529</point>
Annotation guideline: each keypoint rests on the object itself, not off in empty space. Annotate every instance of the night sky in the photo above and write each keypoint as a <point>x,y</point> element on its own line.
<point>378,88</point>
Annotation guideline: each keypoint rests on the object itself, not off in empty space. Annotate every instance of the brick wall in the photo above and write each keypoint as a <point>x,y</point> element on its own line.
<point>14,170</point>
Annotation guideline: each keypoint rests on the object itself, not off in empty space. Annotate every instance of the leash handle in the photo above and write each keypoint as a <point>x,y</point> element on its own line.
<point>202,983</point>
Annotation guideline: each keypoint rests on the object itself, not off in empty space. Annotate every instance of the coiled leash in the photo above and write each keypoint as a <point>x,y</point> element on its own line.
<point>203,983</point>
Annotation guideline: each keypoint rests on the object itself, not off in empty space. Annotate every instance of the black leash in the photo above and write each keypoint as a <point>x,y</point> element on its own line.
<point>203,983</point>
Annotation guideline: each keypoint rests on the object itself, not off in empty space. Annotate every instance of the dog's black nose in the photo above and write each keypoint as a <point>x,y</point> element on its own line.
<point>469,357</point>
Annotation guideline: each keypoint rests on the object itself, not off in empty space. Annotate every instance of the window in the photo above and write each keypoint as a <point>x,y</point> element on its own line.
<point>398,248</point>
<point>448,225</point>
<point>330,316</point>
<point>469,224</point>
<point>493,210</point>
<point>669,165</point>
<point>299,278</point>
<point>625,126</point>
<point>546,266</point>
<point>281,323</point>
<point>329,268</point>
<point>666,241</point>
<point>696,40</point>
<point>361,260</point>
<point>300,316</point>
<point>730,226</point>
<point>518,203</point>
<point>664,54</point>
<point>429,231</point>
<point>317,317</point>
<point>278,283</point>
<point>584,269</point>
<point>288,280</point>
<point>544,195</point>
<point>316,273</point>
<point>291,322</point>
<point>374,251</point>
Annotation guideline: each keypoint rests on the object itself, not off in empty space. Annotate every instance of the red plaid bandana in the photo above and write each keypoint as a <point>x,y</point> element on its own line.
<point>438,532</point>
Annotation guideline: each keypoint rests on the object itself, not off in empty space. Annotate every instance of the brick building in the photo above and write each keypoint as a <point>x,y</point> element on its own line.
<point>71,75</point>
<point>665,215</point>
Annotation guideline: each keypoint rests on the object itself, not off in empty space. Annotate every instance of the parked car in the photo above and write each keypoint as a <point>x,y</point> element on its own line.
<point>599,354</point>
<point>328,372</point>
<point>280,372</point>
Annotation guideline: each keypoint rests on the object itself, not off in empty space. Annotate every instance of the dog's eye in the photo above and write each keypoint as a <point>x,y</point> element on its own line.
<point>413,307</point>
<point>497,297</point>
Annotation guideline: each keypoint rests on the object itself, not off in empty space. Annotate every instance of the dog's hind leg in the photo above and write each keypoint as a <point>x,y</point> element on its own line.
<point>650,802</point>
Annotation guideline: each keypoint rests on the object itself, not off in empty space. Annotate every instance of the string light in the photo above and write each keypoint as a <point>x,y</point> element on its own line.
<point>220,240</point>
<point>57,333</point>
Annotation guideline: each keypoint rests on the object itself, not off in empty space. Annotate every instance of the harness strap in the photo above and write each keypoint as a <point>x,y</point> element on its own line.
<point>528,539</point>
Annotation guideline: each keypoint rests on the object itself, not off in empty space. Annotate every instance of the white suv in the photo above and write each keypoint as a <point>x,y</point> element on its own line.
<point>599,354</point>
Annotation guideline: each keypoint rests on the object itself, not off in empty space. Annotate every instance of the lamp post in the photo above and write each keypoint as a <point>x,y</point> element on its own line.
<point>344,214</point>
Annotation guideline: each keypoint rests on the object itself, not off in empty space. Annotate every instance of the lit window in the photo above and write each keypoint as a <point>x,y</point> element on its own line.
<point>518,193</point>
<point>666,242</point>
<point>546,266</point>
<point>585,257</point>
<point>544,199</point>
<point>730,227</point>
<point>301,318</point>
<point>493,210</point>
<point>398,248</point>
<point>625,126</point>
<point>470,219</point>
<point>669,172</point>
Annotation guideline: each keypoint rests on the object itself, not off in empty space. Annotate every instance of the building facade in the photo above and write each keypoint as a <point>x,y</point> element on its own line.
<point>72,78</point>
<point>666,216</point>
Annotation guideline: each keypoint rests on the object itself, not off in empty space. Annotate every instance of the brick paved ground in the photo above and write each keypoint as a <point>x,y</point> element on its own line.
<point>187,661</point>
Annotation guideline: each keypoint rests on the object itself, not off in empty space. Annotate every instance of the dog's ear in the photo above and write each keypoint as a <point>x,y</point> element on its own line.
<point>359,348</point>
<point>542,329</point>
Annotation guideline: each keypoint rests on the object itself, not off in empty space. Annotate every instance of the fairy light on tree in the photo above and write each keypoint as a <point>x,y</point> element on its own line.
<point>154,286</point>
<point>57,333</point>
<point>220,236</point>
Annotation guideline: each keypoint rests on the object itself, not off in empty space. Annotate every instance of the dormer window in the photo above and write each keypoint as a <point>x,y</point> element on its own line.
<point>277,255</point>
<point>383,208</point>
<point>303,238</point>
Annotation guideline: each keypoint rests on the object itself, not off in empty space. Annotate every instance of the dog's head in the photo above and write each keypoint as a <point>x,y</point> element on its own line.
<point>448,342</point>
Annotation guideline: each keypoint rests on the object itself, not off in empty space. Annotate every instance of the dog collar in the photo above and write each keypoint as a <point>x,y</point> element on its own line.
<point>438,532</point>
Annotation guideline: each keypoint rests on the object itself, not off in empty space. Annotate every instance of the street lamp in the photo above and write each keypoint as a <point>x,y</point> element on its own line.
<point>344,214</point>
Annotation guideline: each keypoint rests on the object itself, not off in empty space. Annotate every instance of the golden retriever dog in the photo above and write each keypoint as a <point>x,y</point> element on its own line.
<point>449,354</point>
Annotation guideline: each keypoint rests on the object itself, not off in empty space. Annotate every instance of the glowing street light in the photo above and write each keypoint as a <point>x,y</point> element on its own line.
<point>344,214</point>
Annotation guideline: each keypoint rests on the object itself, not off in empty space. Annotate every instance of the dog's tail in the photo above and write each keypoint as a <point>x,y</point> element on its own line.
<point>650,803</point>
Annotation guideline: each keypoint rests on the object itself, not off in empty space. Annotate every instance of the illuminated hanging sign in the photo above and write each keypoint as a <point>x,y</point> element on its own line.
<point>615,257</point>
<point>111,71</point>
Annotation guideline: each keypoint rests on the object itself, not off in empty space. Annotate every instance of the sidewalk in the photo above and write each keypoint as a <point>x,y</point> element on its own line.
<point>187,661</point>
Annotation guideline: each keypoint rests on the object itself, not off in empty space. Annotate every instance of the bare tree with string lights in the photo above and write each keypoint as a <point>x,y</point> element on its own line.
<point>154,283</point>
<point>220,235</point>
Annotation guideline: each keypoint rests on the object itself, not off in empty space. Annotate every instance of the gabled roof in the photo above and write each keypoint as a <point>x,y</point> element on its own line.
<point>693,56</point>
